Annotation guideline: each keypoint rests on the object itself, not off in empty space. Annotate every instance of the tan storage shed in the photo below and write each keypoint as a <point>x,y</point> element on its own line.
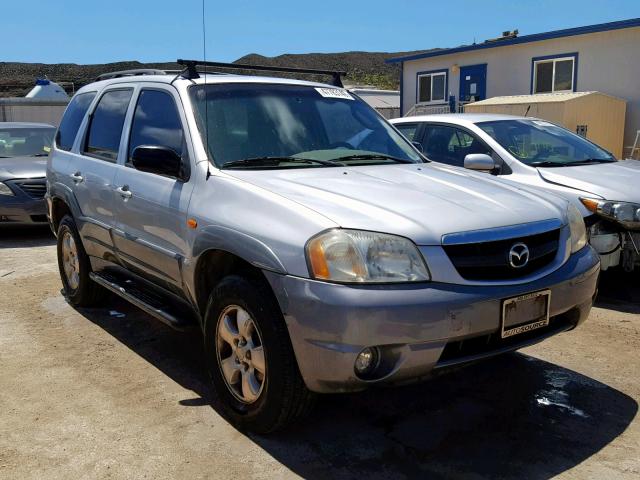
<point>598,115</point>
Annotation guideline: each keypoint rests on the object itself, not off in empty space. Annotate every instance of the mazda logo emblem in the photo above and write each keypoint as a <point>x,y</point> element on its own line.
<point>518,255</point>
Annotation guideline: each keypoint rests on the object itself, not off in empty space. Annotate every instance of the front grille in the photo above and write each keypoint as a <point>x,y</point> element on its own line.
<point>34,188</point>
<point>490,260</point>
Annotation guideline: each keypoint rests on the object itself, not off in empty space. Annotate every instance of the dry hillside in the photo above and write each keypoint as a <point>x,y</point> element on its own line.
<point>16,79</point>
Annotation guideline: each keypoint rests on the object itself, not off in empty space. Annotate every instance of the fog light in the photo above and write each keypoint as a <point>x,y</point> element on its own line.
<point>366,361</point>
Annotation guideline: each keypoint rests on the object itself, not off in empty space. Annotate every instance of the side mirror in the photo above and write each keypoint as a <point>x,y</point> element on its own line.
<point>479,161</point>
<point>157,159</point>
<point>418,145</point>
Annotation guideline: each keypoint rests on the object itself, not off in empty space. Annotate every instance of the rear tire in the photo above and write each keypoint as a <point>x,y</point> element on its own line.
<point>74,266</point>
<point>242,315</point>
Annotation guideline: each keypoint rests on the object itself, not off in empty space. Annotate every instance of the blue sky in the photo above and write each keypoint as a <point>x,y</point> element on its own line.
<point>86,31</point>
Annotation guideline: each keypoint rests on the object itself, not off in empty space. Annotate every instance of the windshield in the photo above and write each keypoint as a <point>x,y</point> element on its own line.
<point>25,142</point>
<point>542,144</point>
<point>263,126</point>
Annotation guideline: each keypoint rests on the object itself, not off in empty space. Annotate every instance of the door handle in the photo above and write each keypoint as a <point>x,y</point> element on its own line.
<point>76,177</point>
<point>124,192</point>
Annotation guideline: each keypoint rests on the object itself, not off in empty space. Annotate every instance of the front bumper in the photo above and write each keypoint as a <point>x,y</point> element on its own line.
<point>22,209</point>
<point>416,326</point>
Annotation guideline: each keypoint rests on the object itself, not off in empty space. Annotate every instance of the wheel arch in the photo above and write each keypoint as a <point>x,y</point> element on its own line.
<point>212,266</point>
<point>59,209</point>
<point>62,203</point>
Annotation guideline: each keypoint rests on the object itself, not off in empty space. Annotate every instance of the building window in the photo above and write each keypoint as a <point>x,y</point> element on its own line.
<point>432,87</point>
<point>554,74</point>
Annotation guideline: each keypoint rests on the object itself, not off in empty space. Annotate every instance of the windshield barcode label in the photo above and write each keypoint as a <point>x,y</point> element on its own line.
<point>334,93</point>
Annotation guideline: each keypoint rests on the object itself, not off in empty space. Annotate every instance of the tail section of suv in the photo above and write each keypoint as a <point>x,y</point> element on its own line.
<point>314,246</point>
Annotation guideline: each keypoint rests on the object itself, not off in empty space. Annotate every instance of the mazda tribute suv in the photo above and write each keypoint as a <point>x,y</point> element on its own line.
<point>314,246</point>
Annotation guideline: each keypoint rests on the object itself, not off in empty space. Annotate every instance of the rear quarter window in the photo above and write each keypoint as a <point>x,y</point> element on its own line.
<point>71,120</point>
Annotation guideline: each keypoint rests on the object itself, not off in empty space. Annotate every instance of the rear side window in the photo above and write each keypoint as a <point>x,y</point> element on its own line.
<point>105,129</point>
<point>156,122</point>
<point>72,119</point>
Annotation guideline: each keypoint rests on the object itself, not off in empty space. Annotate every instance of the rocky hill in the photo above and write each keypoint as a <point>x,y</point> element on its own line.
<point>364,68</point>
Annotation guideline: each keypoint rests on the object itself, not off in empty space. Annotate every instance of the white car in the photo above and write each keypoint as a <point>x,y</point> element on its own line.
<point>538,153</point>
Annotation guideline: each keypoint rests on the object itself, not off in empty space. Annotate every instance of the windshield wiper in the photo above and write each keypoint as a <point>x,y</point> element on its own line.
<point>374,156</point>
<point>589,161</point>
<point>275,161</point>
<point>547,163</point>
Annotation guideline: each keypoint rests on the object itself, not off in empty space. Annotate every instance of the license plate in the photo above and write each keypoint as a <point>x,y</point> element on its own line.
<point>525,313</point>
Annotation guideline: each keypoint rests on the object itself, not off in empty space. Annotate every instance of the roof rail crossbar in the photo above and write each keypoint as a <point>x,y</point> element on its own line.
<point>192,72</point>
<point>130,73</point>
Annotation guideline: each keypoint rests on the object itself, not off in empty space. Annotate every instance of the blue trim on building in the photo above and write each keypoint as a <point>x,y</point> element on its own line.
<point>428,72</point>
<point>536,37</point>
<point>550,57</point>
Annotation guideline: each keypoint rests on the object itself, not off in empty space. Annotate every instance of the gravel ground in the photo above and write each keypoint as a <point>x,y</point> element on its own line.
<point>112,393</point>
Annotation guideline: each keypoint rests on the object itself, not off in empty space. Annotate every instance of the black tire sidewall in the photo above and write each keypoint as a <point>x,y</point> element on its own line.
<point>81,294</point>
<point>265,412</point>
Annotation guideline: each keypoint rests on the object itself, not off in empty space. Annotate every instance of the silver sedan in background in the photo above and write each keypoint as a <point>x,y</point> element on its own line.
<point>538,153</point>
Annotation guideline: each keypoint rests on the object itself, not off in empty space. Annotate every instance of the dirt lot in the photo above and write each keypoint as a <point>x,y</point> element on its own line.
<point>111,393</point>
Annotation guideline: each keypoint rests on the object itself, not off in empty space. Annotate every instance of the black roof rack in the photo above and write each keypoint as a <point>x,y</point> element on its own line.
<point>191,70</point>
<point>131,73</point>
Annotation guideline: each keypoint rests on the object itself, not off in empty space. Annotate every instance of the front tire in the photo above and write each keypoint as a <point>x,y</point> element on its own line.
<point>250,357</point>
<point>74,266</point>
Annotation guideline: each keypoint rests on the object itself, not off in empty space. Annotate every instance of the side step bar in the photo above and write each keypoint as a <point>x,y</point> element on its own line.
<point>153,306</point>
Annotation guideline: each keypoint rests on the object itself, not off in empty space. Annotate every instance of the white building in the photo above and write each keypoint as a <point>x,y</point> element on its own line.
<point>603,58</point>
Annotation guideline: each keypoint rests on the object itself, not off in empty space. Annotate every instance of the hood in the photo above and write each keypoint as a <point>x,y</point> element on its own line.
<point>421,202</point>
<point>23,167</point>
<point>611,181</point>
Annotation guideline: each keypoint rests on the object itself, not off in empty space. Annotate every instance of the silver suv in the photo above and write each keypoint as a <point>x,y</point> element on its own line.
<point>314,246</point>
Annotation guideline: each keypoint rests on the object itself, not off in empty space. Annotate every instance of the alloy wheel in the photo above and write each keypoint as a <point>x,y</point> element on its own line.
<point>70,261</point>
<point>240,354</point>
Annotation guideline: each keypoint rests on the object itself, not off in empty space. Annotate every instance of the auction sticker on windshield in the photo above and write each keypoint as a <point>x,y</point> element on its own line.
<point>525,313</point>
<point>542,123</point>
<point>334,93</point>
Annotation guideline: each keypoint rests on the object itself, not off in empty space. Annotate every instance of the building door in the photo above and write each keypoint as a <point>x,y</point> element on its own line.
<point>473,83</point>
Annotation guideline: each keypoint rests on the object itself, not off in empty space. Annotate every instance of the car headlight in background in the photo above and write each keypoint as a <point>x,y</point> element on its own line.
<point>4,190</point>
<point>357,256</point>
<point>577,228</point>
<point>625,213</point>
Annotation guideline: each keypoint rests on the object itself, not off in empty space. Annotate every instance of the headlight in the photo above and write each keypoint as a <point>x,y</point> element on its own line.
<point>625,213</point>
<point>4,190</point>
<point>356,256</point>
<point>578,229</point>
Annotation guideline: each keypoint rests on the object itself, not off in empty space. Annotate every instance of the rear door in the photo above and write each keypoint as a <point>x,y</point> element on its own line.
<point>152,212</point>
<point>92,170</point>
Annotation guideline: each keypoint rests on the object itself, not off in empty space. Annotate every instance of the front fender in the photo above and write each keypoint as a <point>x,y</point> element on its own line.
<point>250,249</point>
